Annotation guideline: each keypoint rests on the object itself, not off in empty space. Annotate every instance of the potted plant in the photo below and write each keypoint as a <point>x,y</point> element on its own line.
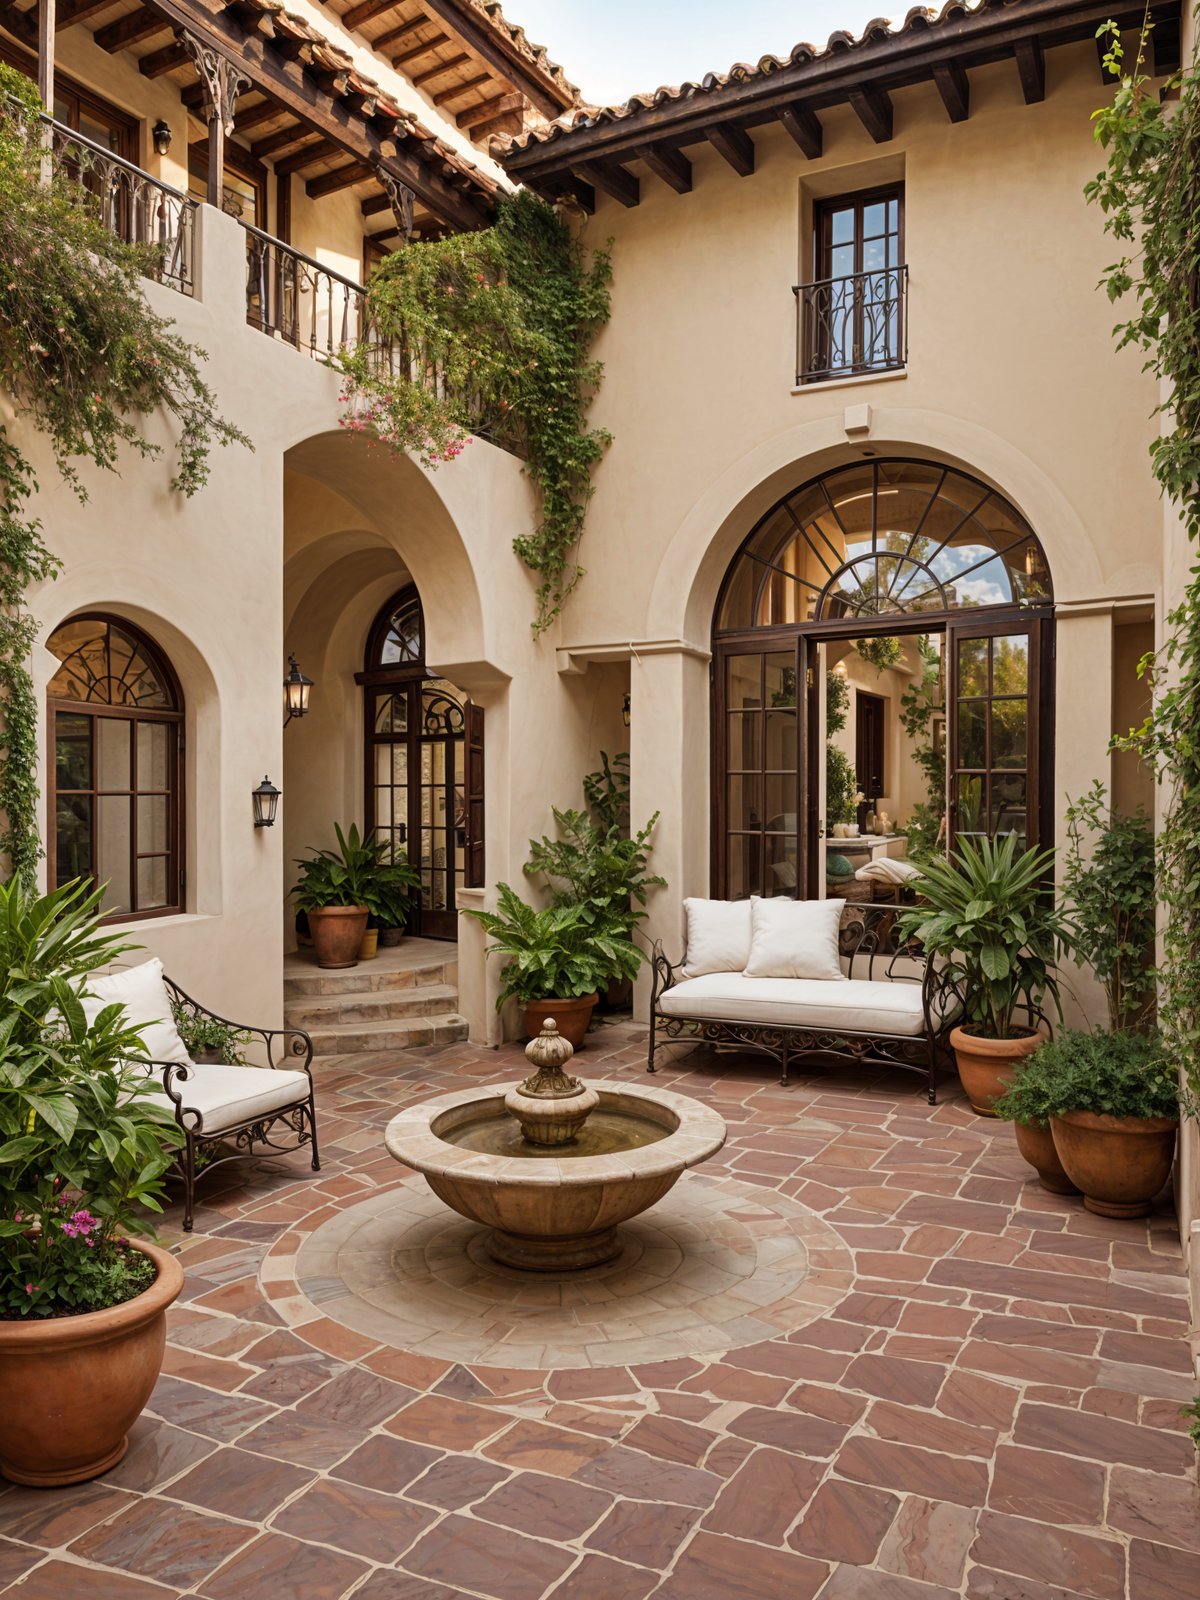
<point>558,958</point>
<point>1113,1102</point>
<point>389,892</point>
<point>208,1039</point>
<point>989,920</point>
<point>339,889</point>
<point>1027,1105</point>
<point>86,1139</point>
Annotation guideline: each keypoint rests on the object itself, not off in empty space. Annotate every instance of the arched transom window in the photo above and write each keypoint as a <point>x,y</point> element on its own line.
<point>116,801</point>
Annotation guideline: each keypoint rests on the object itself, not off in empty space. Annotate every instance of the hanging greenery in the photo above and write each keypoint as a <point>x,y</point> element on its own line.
<point>881,651</point>
<point>84,359</point>
<point>1149,191</point>
<point>921,701</point>
<point>490,334</point>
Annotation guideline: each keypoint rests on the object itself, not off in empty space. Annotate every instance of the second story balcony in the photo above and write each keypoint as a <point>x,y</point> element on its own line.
<point>852,326</point>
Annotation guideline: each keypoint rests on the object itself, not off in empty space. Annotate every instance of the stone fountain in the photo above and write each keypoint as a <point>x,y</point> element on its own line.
<point>553,1166</point>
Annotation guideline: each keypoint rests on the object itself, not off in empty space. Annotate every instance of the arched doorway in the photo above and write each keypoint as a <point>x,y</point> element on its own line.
<point>882,602</point>
<point>424,765</point>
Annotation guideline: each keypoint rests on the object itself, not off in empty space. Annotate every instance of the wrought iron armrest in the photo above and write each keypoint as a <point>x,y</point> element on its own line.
<point>663,973</point>
<point>289,1048</point>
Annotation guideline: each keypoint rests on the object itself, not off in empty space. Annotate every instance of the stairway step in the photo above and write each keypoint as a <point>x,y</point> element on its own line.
<point>361,979</point>
<point>369,1005</point>
<point>445,1027</point>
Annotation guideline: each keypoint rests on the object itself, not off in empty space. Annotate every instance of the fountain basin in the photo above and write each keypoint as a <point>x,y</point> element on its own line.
<point>557,1208</point>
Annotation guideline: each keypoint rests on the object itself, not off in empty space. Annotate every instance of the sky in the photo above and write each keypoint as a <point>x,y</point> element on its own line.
<point>615,48</point>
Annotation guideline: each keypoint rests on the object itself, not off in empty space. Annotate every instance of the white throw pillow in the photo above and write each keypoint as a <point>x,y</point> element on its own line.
<point>795,939</point>
<point>718,936</point>
<point>143,993</point>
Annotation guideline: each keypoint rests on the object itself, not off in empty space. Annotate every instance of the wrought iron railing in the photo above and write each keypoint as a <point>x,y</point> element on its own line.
<point>852,325</point>
<point>139,209</point>
<point>292,297</point>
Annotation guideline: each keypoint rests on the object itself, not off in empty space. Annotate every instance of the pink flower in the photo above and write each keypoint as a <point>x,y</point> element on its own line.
<point>30,1287</point>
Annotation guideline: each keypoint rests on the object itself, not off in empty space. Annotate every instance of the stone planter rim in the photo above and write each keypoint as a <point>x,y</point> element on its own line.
<point>100,1327</point>
<point>701,1132</point>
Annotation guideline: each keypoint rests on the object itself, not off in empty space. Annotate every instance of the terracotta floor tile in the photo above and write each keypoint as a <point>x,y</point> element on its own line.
<point>50,1520</point>
<point>349,1517</point>
<point>445,1424</point>
<point>275,1565</point>
<point>898,1466</point>
<point>556,1508</point>
<point>844,1522</point>
<point>170,1544</point>
<point>598,1576</point>
<point>65,1580</point>
<point>1079,1562</point>
<point>456,1481</point>
<point>1048,1488</point>
<point>385,1463</point>
<point>16,1559</point>
<point>928,1541</point>
<point>1102,1439</point>
<point>764,1497</point>
<point>1161,1572</point>
<point>648,1534</point>
<point>715,1566</point>
<point>495,1561</point>
<point>238,1484</point>
<point>1152,1507</point>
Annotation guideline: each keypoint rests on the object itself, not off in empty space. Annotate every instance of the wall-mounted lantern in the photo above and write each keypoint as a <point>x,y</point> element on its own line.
<point>625,710</point>
<point>296,690</point>
<point>266,804</point>
<point>161,134</point>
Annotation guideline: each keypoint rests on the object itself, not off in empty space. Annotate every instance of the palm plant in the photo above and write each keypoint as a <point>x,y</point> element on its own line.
<point>363,871</point>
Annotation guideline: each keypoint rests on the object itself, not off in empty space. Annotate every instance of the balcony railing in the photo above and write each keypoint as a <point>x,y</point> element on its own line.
<point>290,296</point>
<point>847,326</point>
<point>138,208</point>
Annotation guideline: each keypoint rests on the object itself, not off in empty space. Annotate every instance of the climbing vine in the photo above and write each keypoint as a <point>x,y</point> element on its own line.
<point>84,360</point>
<point>1149,191</point>
<point>489,334</point>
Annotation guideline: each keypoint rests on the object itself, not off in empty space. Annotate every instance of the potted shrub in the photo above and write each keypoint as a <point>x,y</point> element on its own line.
<point>1113,1104</point>
<point>339,889</point>
<point>1027,1105</point>
<point>558,958</point>
<point>389,892</point>
<point>208,1039</point>
<point>989,920</point>
<point>86,1139</point>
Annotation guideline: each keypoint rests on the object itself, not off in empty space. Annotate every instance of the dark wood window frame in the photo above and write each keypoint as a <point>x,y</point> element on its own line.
<point>127,127</point>
<point>243,165</point>
<point>176,852</point>
<point>865,308</point>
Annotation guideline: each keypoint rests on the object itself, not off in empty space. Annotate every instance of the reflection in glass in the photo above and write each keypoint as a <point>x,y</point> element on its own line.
<point>1010,720</point>
<point>972,733</point>
<point>973,667</point>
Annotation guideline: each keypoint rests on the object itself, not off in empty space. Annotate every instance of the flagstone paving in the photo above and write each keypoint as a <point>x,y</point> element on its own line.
<point>884,1365</point>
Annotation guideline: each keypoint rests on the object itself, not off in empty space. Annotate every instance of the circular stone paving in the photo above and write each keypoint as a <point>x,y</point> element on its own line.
<point>716,1264</point>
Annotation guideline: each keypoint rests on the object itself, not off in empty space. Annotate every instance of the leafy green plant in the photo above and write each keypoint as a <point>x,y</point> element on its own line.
<point>1111,1074</point>
<point>841,786</point>
<point>554,954</point>
<point>493,332</point>
<point>1108,881</point>
<point>988,917</point>
<point>362,871</point>
<point>880,651</point>
<point>1148,191</point>
<point>607,791</point>
<point>919,704</point>
<point>86,361</point>
<point>1191,1415</point>
<point>86,1136</point>
<point>203,1034</point>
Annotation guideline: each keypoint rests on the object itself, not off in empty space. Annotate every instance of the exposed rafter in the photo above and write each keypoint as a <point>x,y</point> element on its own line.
<point>82,11</point>
<point>421,48</point>
<point>141,24</point>
<point>159,62</point>
<point>735,144</point>
<point>499,105</point>
<point>436,70</point>
<point>873,107</point>
<point>364,12</point>
<point>613,179</point>
<point>672,166</point>
<point>952,85</point>
<point>1031,68</point>
<point>805,128</point>
<point>340,178</point>
<point>308,155</point>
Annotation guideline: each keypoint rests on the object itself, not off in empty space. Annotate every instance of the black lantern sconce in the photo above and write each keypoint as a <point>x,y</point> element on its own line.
<point>296,690</point>
<point>161,135</point>
<point>625,713</point>
<point>266,804</point>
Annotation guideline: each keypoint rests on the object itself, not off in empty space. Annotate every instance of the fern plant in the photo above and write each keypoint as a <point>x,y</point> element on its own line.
<point>554,954</point>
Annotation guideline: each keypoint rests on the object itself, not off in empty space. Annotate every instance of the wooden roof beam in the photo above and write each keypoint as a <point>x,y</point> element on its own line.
<point>159,62</point>
<point>366,11</point>
<point>141,24</point>
<point>955,90</point>
<point>805,128</point>
<point>374,204</point>
<point>497,106</point>
<point>613,179</point>
<point>439,67</point>
<point>502,55</point>
<point>444,96</point>
<point>421,48</point>
<point>340,178</point>
<point>874,108</point>
<point>672,166</point>
<point>735,144</point>
<point>275,142</point>
<point>319,150</point>
<point>1031,68</point>
<point>69,15</point>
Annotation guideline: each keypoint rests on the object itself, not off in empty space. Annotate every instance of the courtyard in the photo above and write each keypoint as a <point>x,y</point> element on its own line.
<point>860,1354</point>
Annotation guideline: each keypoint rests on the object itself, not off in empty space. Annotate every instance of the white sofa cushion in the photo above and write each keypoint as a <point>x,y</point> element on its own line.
<point>795,939</point>
<point>854,1005</point>
<point>718,936</point>
<point>226,1097</point>
<point>143,993</point>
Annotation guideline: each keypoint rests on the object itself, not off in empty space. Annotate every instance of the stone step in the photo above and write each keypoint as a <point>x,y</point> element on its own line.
<point>445,1027</point>
<point>361,979</point>
<point>369,1005</point>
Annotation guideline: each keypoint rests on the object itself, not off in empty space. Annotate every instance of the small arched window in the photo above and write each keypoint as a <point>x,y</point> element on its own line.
<point>116,791</point>
<point>397,638</point>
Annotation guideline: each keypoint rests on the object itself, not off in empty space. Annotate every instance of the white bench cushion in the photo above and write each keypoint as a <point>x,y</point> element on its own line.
<point>795,939</point>
<point>848,1004</point>
<point>226,1097</point>
<point>143,993</point>
<point>718,935</point>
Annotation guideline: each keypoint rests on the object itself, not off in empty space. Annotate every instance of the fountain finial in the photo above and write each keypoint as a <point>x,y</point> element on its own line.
<point>537,1103</point>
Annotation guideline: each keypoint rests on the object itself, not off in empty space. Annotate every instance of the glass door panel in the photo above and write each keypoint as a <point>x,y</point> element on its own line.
<point>760,801</point>
<point>993,731</point>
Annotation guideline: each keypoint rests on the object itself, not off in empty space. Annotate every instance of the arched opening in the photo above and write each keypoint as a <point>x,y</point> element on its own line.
<point>424,774</point>
<point>882,648</point>
<point>116,773</point>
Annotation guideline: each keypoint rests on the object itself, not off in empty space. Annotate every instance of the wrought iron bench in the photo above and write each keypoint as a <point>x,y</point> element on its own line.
<point>904,1024</point>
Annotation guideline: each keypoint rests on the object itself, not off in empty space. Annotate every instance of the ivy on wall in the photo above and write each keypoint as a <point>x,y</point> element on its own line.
<point>84,360</point>
<point>1149,191</point>
<point>490,334</point>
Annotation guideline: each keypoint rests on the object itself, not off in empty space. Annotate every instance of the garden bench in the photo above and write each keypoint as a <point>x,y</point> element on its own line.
<point>226,1111</point>
<point>887,1006</point>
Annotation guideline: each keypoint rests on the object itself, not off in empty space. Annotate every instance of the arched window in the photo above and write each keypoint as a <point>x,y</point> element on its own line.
<point>397,636</point>
<point>927,596</point>
<point>116,799</point>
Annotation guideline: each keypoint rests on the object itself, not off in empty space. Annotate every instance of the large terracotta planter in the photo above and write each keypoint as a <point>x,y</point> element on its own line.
<point>570,1016</point>
<point>1037,1146</point>
<point>986,1067</point>
<point>74,1386</point>
<point>337,932</point>
<point>1120,1163</point>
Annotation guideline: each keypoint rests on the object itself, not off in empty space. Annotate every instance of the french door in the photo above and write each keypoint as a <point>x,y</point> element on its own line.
<point>418,788</point>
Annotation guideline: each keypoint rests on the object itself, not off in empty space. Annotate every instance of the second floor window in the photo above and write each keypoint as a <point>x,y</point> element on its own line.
<point>852,315</point>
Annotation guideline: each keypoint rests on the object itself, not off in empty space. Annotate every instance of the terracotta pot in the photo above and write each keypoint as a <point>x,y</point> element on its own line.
<point>337,933</point>
<point>570,1016</point>
<point>986,1067</point>
<point>368,945</point>
<point>1120,1163</point>
<point>74,1386</point>
<point>389,938</point>
<point>1037,1146</point>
